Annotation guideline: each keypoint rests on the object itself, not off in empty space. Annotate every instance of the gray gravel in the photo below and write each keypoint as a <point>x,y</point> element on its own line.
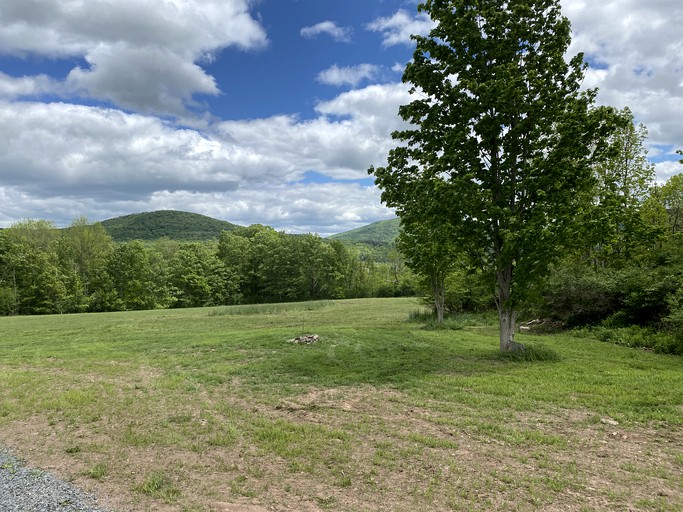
<point>24,489</point>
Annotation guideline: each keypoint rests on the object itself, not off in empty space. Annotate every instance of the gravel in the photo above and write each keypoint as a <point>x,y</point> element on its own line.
<point>24,489</point>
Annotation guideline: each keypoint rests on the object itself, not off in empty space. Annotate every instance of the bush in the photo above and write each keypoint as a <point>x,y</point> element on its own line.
<point>642,294</point>
<point>663,342</point>
<point>673,323</point>
<point>576,295</point>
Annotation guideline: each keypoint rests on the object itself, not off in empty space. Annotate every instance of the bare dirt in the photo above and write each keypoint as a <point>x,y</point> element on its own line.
<point>399,456</point>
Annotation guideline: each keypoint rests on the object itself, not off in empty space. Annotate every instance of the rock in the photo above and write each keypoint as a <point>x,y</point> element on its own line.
<point>305,339</point>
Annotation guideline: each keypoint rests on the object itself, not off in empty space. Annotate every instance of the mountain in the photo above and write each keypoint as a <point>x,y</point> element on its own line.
<point>176,225</point>
<point>373,241</point>
<point>383,231</point>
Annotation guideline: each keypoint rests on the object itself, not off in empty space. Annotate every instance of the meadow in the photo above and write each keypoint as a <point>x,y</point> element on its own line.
<point>212,409</point>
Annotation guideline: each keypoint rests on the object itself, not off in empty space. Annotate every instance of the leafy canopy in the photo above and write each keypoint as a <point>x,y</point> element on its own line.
<point>500,135</point>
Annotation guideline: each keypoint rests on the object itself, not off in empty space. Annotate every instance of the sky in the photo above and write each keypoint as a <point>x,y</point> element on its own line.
<point>258,111</point>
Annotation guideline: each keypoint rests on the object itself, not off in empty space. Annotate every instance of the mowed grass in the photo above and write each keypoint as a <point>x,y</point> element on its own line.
<point>195,410</point>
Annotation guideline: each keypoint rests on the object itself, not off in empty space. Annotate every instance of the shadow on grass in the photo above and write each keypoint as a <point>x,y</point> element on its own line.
<point>531,354</point>
<point>377,361</point>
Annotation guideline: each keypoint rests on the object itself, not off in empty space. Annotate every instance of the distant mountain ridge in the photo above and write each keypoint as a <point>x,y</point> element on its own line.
<point>173,224</point>
<point>383,231</point>
<point>378,237</point>
<point>374,241</point>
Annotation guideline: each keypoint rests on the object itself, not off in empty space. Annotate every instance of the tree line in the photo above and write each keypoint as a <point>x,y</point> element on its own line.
<point>45,270</point>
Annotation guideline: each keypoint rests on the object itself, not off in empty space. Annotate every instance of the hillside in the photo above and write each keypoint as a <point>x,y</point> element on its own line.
<point>374,240</point>
<point>176,225</point>
<point>383,231</point>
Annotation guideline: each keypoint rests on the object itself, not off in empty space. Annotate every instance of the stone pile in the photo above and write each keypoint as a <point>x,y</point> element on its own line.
<point>305,339</point>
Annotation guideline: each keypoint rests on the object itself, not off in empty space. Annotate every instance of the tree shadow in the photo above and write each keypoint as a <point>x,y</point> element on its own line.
<point>345,362</point>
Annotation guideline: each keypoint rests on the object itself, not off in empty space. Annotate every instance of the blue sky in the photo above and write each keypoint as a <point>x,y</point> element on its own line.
<point>263,111</point>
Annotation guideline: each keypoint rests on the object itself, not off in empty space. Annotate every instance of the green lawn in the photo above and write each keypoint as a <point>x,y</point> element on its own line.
<point>196,409</point>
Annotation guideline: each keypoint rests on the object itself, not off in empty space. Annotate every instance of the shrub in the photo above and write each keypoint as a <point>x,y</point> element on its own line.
<point>576,295</point>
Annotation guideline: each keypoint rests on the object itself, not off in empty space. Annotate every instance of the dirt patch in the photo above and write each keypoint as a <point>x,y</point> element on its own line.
<point>356,449</point>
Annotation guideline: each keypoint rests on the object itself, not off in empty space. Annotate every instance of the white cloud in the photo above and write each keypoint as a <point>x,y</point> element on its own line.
<point>322,208</point>
<point>398,28</point>
<point>351,134</point>
<point>141,54</point>
<point>147,79</point>
<point>349,75</point>
<point>340,34</point>
<point>636,51</point>
<point>13,87</point>
<point>665,170</point>
<point>61,149</point>
<point>76,27</point>
<point>61,160</point>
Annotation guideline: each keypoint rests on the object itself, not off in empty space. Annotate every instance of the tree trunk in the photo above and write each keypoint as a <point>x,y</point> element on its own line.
<point>506,312</point>
<point>439,292</point>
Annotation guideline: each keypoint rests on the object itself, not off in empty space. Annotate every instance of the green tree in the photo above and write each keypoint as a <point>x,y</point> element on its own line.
<point>138,278</point>
<point>199,278</point>
<point>429,253</point>
<point>670,196</point>
<point>86,248</point>
<point>499,120</point>
<point>35,281</point>
<point>189,275</point>
<point>616,223</point>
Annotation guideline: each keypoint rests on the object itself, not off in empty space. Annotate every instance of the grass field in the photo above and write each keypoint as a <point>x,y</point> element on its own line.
<point>212,409</point>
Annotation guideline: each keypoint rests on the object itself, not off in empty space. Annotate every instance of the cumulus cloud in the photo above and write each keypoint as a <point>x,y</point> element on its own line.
<point>146,79</point>
<point>665,170</point>
<point>398,28</point>
<point>351,133</point>
<point>96,153</point>
<point>348,75</point>
<point>104,162</point>
<point>635,50</point>
<point>13,87</point>
<point>340,34</point>
<point>322,208</point>
<point>141,55</point>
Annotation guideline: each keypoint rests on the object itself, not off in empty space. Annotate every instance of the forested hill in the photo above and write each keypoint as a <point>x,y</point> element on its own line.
<point>186,226</point>
<point>384,231</point>
<point>375,240</point>
<point>176,225</point>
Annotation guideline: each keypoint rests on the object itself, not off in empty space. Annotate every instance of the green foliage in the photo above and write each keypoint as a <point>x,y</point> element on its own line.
<point>580,295</point>
<point>670,197</point>
<point>176,225</point>
<point>501,139</point>
<point>674,323</point>
<point>618,221</point>
<point>373,241</point>
<point>577,295</point>
<point>32,276</point>
<point>46,270</point>
<point>199,278</point>
<point>138,278</point>
<point>468,291</point>
<point>635,336</point>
